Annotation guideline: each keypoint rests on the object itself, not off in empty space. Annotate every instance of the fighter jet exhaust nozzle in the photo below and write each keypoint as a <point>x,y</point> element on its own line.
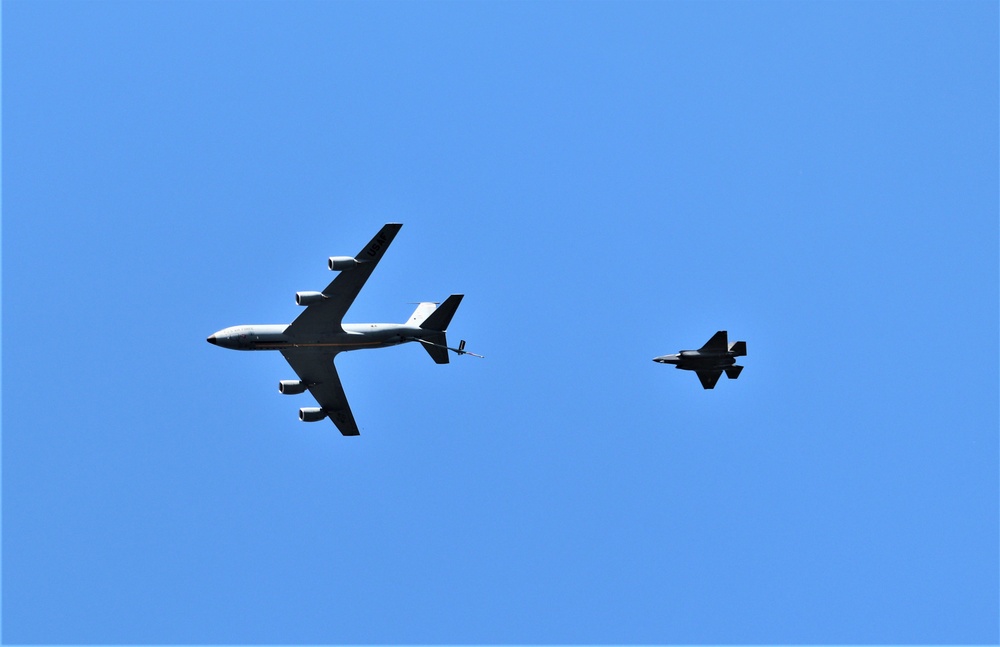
<point>340,263</point>
<point>308,298</point>
<point>291,387</point>
<point>311,414</point>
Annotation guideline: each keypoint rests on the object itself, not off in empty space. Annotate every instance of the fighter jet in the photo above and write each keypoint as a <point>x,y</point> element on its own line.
<point>710,360</point>
<point>313,340</point>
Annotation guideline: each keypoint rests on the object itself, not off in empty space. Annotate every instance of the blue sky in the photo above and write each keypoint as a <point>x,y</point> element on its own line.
<point>605,182</point>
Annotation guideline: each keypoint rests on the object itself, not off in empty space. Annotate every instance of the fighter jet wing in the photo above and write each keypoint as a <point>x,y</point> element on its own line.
<point>327,315</point>
<point>316,369</point>
<point>709,378</point>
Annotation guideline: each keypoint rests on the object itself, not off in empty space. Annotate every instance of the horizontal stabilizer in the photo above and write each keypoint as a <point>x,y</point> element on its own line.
<point>441,344</point>
<point>440,318</point>
<point>733,372</point>
<point>437,348</point>
<point>738,349</point>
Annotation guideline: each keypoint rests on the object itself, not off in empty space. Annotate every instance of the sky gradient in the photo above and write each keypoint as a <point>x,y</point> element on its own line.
<point>605,182</point>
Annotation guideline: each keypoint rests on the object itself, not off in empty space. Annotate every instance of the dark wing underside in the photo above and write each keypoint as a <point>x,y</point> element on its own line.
<point>326,316</point>
<point>709,378</point>
<point>316,369</point>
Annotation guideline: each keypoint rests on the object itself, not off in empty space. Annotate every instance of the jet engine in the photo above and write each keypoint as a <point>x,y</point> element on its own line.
<point>308,298</point>
<point>311,414</point>
<point>338,263</point>
<point>291,387</point>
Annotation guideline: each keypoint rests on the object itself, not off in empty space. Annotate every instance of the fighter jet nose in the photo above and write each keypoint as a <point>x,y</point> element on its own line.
<point>211,340</point>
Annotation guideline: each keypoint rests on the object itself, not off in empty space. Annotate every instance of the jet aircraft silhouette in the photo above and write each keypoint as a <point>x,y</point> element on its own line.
<point>709,361</point>
<point>313,340</point>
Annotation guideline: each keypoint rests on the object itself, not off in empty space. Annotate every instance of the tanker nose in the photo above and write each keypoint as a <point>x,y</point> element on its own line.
<point>211,340</point>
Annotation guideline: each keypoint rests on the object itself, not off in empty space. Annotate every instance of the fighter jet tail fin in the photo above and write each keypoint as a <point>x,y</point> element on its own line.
<point>738,348</point>
<point>733,372</point>
<point>719,342</point>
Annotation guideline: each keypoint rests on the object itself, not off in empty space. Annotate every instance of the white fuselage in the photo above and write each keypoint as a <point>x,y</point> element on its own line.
<point>351,337</point>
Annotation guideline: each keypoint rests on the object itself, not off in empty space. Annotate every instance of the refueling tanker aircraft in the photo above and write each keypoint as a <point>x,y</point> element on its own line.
<point>312,341</point>
<point>710,360</point>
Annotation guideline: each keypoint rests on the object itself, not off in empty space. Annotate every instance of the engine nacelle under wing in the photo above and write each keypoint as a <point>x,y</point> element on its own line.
<point>291,387</point>
<point>339,263</point>
<point>308,298</point>
<point>311,414</point>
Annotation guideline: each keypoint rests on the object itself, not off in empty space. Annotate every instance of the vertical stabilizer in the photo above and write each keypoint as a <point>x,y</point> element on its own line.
<point>424,310</point>
<point>719,342</point>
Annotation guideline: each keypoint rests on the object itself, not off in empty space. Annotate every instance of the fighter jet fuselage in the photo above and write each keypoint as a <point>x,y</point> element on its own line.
<point>694,360</point>
<point>709,361</point>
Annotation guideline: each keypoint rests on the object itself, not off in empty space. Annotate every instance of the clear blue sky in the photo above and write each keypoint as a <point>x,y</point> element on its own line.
<point>606,182</point>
